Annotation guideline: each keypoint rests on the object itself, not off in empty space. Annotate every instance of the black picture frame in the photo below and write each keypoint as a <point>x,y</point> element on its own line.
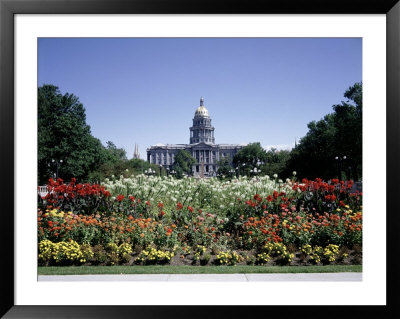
<point>8,8</point>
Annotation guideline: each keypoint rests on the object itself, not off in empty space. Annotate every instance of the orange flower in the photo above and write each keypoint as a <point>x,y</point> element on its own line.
<point>142,235</point>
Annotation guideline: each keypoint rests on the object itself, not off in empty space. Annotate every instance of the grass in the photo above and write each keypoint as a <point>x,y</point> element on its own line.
<point>92,270</point>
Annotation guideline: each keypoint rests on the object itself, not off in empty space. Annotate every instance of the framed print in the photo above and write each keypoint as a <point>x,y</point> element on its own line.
<point>23,23</point>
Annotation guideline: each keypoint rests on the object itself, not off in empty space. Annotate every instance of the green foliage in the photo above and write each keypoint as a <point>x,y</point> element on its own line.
<point>115,153</point>
<point>252,155</point>
<point>338,134</point>
<point>275,162</point>
<point>183,163</point>
<point>64,135</point>
<point>225,167</point>
<point>122,167</point>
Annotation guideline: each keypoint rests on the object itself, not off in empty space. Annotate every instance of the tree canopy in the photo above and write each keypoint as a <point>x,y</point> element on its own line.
<point>276,161</point>
<point>183,162</point>
<point>64,135</point>
<point>332,146</point>
<point>225,167</point>
<point>115,152</point>
<point>249,157</point>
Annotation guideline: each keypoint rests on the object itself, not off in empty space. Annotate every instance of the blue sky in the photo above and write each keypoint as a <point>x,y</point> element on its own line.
<point>146,90</point>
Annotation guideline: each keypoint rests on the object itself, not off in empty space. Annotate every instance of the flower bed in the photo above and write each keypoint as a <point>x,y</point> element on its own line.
<point>254,221</point>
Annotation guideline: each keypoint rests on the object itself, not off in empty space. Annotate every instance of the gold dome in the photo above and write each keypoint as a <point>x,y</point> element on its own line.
<point>201,111</point>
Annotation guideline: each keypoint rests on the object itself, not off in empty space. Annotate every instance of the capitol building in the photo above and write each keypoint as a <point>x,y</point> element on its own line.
<point>202,147</point>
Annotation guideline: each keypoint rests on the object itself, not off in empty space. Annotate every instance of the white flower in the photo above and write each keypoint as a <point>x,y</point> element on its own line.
<point>275,175</point>
<point>294,173</point>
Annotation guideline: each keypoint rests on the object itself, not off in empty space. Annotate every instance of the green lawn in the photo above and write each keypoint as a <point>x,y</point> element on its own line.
<point>91,270</point>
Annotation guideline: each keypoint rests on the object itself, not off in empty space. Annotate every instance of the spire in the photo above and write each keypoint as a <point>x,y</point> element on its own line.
<point>136,152</point>
<point>201,101</point>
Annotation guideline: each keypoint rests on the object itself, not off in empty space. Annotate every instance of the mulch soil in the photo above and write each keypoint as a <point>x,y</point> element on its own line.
<point>354,258</point>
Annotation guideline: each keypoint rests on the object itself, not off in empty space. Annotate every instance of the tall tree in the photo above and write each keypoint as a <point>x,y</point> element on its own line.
<point>64,135</point>
<point>275,162</point>
<point>348,137</point>
<point>250,157</point>
<point>116,153</point>
<point>225,167</point>
<point>183,162</point>
<point>337,135</point>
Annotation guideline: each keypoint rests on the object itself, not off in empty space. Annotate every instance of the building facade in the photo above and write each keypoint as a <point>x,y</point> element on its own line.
<point>201,146</point>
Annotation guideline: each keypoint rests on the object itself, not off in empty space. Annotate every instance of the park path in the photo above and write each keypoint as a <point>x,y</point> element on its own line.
<point>339,276</point>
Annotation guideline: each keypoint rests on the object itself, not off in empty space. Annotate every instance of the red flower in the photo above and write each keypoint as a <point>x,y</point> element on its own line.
<point>120,198</point>
<point>330,198</point>
<point>160,205</point>
<point>190,209</point>
<point>52,182</point>
<point>179,206</point>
